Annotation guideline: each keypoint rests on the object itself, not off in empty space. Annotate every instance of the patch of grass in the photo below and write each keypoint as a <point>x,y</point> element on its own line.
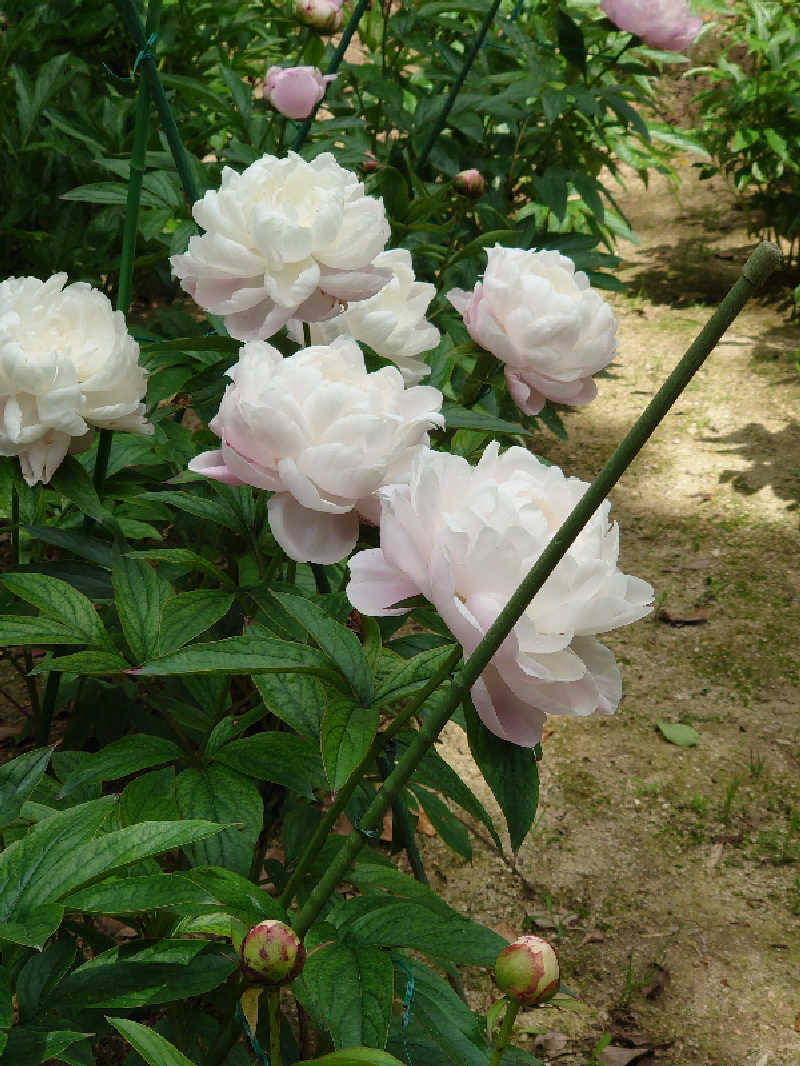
<point>781,844</point>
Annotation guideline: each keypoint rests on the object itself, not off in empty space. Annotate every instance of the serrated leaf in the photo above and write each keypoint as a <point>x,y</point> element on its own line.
<point>510,772</point>
<point>122,757</point>
<point>347,732</point>
<point>188,614</point>
<point>362,1016</point>
<point>221,795</point>
<point>281,758</point>
<point>18,778</point>
<point>154,1049</point>
<point>677,733</point>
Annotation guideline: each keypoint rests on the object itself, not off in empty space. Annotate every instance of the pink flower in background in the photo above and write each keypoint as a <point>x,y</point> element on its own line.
<point>295,91</point>
<point>667,24</point>
<point>544,321</point>
<point>320,433</point>
<point>284,239</point>
<point>464,537</point>
<point>324,15</point>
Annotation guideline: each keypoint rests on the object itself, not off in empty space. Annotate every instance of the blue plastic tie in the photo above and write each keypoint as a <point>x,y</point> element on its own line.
<point>408,1002</point>
<point>254,1044</point>
<point>144,53</point>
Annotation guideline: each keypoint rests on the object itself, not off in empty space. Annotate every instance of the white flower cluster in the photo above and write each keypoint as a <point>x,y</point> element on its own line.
<point>67,365</point>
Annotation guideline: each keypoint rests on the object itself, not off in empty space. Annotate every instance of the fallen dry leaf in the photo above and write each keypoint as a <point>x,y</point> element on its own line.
<point>659,982</point>
<point>621,1056</point>
<point>505,930</point>
<point>678,620</point>
<point>550,1044</point>
<point>594,936</point>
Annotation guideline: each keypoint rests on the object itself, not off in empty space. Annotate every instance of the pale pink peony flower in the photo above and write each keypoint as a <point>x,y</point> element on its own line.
<point>325,16</point>
<point>665,24</point>
<point>67,365</point>
<point>284,239</point>
<point>323,435</point>
<point>393,321</point>
<point>544,321</point>
<point>295,91</point>
<point>464,537</point>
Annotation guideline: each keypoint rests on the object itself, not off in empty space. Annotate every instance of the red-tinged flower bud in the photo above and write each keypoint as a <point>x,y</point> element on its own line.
<point>271,954</point>
<point>470,183</point>
<point>325,16</point>
<point>527,970</point>
<point>369,164</point>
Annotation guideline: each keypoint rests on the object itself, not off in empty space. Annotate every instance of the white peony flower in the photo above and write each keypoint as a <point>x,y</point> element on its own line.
<point>465,537</point>
<point>67,364</point>
<point>393,321</point>
<point>322,434</point>
<point>284,239</point>
<point>542,319</point>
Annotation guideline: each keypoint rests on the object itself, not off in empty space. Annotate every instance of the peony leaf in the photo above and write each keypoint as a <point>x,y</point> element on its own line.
<point>222,795</point>
<point>60,601</point>
<point>139,595</point>
<point>362,1015</point>
<point>278,757</point>
<point>120,758</point>
<point>347,732</point>
<point>18,778</point>
<point>676,733</point>
<point>188,614</point>
<point>154,1049</point>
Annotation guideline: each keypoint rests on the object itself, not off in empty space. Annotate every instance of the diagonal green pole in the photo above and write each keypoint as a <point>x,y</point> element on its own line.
<point>333,66</point>
<point>758,268</point>
<point>140,37</point>
<point>455,88</point>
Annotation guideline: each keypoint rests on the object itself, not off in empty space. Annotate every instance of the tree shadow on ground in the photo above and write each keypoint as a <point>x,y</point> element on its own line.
<point>774,459</point>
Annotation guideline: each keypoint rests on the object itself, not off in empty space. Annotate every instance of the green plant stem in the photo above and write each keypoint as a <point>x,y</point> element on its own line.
<point>225,1043</point>
<point>503,1038</point>
<point>321,578</point>
<point>134,26</point>
<point>349,787</point>
<point>273,997</point>
<point>333,66</point>
<point>15,545</point>
<point>45,716</point>
<point>758,268</point>
<point>455,89</point>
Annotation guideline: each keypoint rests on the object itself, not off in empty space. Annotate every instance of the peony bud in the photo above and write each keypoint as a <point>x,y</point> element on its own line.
<point>325,16</point>
<point>369,164</point>
<point>271,954</point>
<point>527,970</point>
<point>295,91</point>
<point>470,183</point>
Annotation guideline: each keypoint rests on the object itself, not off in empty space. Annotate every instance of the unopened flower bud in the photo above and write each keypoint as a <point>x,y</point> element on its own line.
<point>369,164</point>
<point>527,970</point>
<point>271,954</point>
<point>470,183</point>
<point>325,16</point>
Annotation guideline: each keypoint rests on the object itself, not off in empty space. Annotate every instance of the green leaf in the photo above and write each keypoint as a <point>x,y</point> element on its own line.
<point>281,758</point>
<point>96,551</point>
<point>411,924</point>
<point>474,247</point>
<point>139,594</point>
<point>676,733</point>
<point>109,192</point>
<point>435,773</point>
<point>72,481</point>
<point>149,798</point>
<point>132,895</point>
<point>250,653</point>
<point>468,418</point>
<point>58,600</point>
<point>221,795</point>
<point>239,90</point>
<point>361,1016</point>
<point>6,1006</point>
<point>182,557</point>
<point>510,772</point>
<point>339,643</point>
<point>235,894</point>
<point>35,927</point>
<point>200,506</point>
<point>39,976</point>
<point>356,1056</point>
<point>412,675</point>
<point>29,867</point>
<point>347,732</point>
<point>122,757</point>
<point>188,614</point>
<point>297,699</point>
<point>449,828</point>
<point>154,1049</point>
<point>85,663</point>
<point>570,40</point>
<point>29,1045</point>
<point>25,629</point>
<point>130,976</point>
<point>18,779</point>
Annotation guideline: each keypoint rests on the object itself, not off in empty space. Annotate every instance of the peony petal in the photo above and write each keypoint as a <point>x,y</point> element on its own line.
<point>309,536</point>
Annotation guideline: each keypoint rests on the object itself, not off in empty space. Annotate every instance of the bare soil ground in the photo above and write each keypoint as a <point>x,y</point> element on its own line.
<point>669,877</point>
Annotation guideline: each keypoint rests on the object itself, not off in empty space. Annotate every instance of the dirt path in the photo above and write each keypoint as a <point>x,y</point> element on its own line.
<point>670,876</point>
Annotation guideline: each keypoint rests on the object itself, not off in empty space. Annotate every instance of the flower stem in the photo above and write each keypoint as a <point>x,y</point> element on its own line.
<point>150,72</point>
<point>504,1036</point>
<point>333,66</point>
<point>15,545</point>
<point>274,1019</point>
<point>349,787</point>
<point>758,268</point>
<point>455,89</point>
